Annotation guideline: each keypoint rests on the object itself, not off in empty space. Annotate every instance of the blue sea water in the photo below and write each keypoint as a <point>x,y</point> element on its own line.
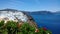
<point>51,22</point>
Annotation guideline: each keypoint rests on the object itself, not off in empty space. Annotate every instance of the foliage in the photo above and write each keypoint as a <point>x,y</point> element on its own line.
<point>27,29</point>
<point>12,28</point>
<point>2,23</point>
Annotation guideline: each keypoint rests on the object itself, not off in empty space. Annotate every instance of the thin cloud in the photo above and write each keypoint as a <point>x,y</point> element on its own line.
<point>16,2</point>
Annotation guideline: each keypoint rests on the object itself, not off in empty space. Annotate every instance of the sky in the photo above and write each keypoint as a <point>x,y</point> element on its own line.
<point>31,5</point>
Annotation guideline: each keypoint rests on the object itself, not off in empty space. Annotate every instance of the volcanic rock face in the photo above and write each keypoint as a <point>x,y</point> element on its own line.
<point>17,16</point>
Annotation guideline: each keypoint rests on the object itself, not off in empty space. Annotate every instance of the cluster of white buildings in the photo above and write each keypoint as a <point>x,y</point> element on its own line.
<point>15,16</point>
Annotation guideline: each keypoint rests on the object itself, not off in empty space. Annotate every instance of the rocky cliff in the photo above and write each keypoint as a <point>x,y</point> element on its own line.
<point>17,16</point>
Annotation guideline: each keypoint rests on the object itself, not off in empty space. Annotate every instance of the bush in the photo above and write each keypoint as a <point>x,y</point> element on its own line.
<point>11,27</point>
<point>2,23</point>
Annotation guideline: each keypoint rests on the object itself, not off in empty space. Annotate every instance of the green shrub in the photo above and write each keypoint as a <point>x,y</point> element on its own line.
<point>12,28</point>
<point>2,23</point>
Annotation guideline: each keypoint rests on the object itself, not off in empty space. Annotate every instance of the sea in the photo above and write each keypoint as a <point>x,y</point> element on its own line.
<point>51,22</point>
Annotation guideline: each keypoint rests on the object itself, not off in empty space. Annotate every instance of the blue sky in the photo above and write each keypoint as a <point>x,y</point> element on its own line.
<point>31,5</point>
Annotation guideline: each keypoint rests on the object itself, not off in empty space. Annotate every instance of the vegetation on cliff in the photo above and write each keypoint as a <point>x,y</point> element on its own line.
<point>12,27</point>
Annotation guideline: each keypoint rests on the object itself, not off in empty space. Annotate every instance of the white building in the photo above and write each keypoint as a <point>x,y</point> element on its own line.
<point>15,16</point>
